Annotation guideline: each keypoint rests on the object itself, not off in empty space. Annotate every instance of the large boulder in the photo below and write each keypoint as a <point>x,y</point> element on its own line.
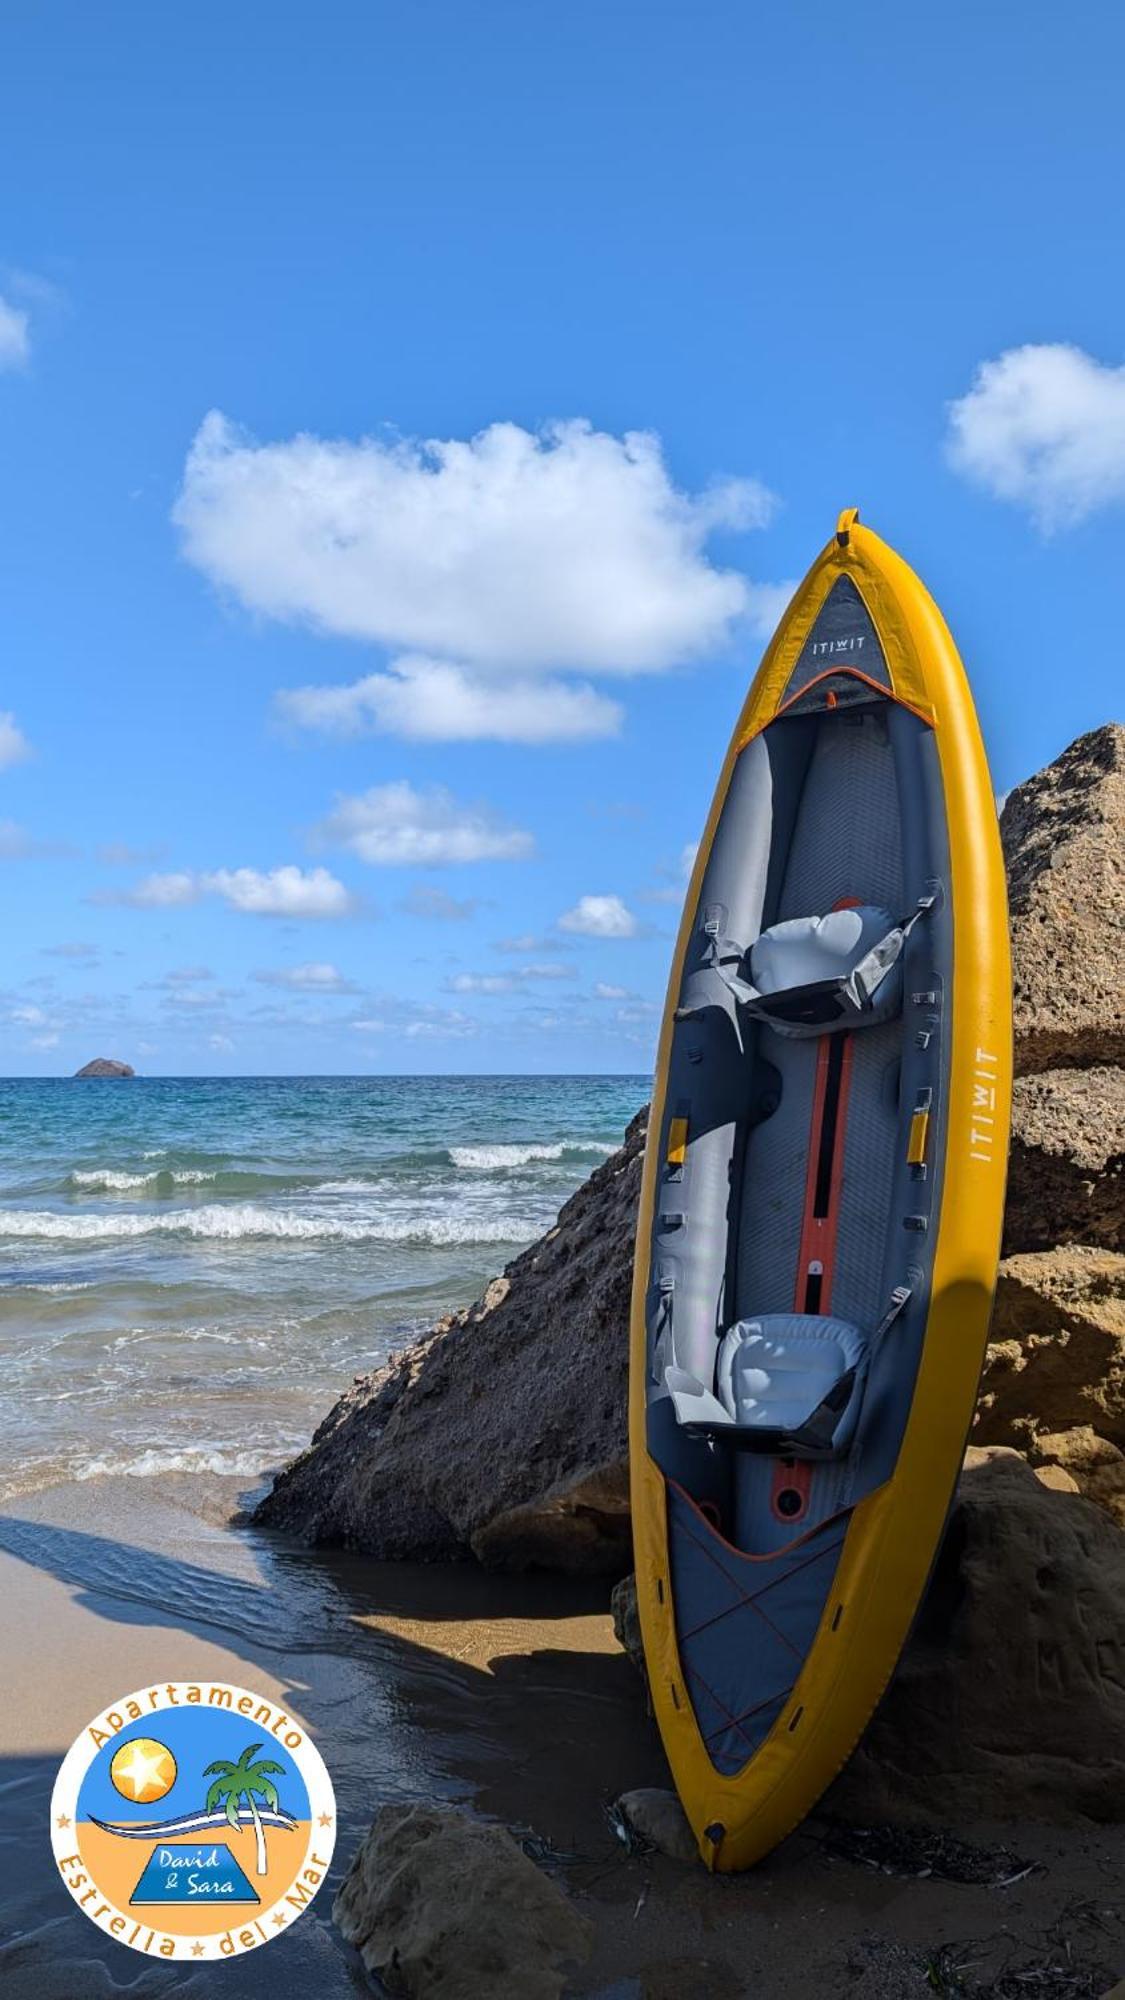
<point>501,1434</point>
<point>1064,844</point>
<point>444,1907</point>
<point>1009,1700</point>
<point>106,1066</point>
<point>1066,1168</point>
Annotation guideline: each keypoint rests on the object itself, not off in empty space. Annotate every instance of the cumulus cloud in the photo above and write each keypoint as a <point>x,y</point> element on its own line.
<point>600,917</point>
<point>603,991</point>
<point>278,892</point>
<point>15,336</point>
<point>396,825</point>
<point>314,977</point>
<point>14,746</point>
<point>479,564</point>
<point>438,701</point>
<point>1044,426</point>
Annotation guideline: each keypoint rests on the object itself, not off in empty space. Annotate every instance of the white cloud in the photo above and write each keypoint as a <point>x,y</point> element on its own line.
<point>314,977</point>
<point>14,746</point>
<point>479,564</point>
<point>1044,426</point>
<point>600,917</point>
<point>15,339</point>
<point>166,892</point>
<point>438,701</point>
<point>17,844</point>
<point>604,992</point>
<point>278,892</point>
<point>567,548</point>
<point>395,825</point>
<point>221,1043</point>
<point>481,982</point>
<point>283,892</point>
<point>442,1028</point>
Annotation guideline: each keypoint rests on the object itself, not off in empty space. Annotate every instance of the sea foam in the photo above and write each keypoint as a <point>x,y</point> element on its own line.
<point>215,1222</point>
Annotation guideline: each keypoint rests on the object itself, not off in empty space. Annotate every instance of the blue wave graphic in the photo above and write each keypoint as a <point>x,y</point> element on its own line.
<point>200,1822</point>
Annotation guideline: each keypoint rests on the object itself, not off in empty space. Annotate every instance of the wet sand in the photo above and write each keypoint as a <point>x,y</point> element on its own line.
<point>508,1694</point>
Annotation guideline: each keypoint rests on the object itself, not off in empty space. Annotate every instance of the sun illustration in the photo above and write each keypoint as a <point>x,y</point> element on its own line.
<point>143,1770</point>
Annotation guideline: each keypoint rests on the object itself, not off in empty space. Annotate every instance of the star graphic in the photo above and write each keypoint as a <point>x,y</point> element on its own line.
<point>62,1820</point>
<point>143,1770</point>
<point>197,1951</point>
<point>279,1919</point>
<point>326,1819</point>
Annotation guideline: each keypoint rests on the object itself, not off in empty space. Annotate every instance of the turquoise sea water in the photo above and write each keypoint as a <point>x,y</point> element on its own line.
<point>191,1270</point>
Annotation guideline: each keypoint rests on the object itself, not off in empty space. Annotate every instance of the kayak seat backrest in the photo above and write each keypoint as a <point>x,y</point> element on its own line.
<point>776,1370</point>
<point>787,1383</point>
<point>814,975</point>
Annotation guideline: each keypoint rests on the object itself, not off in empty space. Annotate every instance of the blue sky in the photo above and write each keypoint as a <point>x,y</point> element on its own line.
<point>328,749</point>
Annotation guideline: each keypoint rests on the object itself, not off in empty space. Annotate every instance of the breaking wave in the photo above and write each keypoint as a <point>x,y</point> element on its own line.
<point>487,1159</point>
<point>214,1222</point>
<point>110,1181</point>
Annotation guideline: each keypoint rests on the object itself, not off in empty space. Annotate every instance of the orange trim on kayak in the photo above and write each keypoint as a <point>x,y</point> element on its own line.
<point>887,693</point>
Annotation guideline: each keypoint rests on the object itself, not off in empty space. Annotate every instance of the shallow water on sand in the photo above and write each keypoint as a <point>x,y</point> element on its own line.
<point>191,1270</point>
<point>416,1683</point>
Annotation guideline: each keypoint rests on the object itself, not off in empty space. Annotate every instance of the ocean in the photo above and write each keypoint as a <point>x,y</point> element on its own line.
<point>191,1270</point>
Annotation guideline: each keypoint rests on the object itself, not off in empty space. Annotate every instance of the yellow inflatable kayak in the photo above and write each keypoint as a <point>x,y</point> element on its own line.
<point>822,1198</point>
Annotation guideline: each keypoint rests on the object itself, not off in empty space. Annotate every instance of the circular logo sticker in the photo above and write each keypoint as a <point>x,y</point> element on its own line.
<point>193,1821</point>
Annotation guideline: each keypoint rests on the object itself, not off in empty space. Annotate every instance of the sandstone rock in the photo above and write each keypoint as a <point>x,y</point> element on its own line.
<point>1079,1461</point>
<point>1064,843</point>
<point>444,1907</point>
<point>502,1432</point>
<point>1066,1169</point>
<point>659,1818</point>
<point>1056,1359</point>
<point>1009,1699</point>
<point>106,1066</point>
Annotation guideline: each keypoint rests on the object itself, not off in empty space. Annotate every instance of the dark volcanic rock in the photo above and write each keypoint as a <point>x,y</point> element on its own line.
<point>502,1432</point>
<point>1064,843</point>
<point>106,1066</point>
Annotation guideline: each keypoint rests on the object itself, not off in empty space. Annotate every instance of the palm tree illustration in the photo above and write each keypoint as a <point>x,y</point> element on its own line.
<point>241,1781</point>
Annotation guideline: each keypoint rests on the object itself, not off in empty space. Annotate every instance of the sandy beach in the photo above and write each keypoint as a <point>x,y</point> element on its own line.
<point>509,1694</point>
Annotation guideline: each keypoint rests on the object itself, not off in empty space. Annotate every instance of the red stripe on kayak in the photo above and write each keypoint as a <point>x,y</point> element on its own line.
<point>824,1176</point>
